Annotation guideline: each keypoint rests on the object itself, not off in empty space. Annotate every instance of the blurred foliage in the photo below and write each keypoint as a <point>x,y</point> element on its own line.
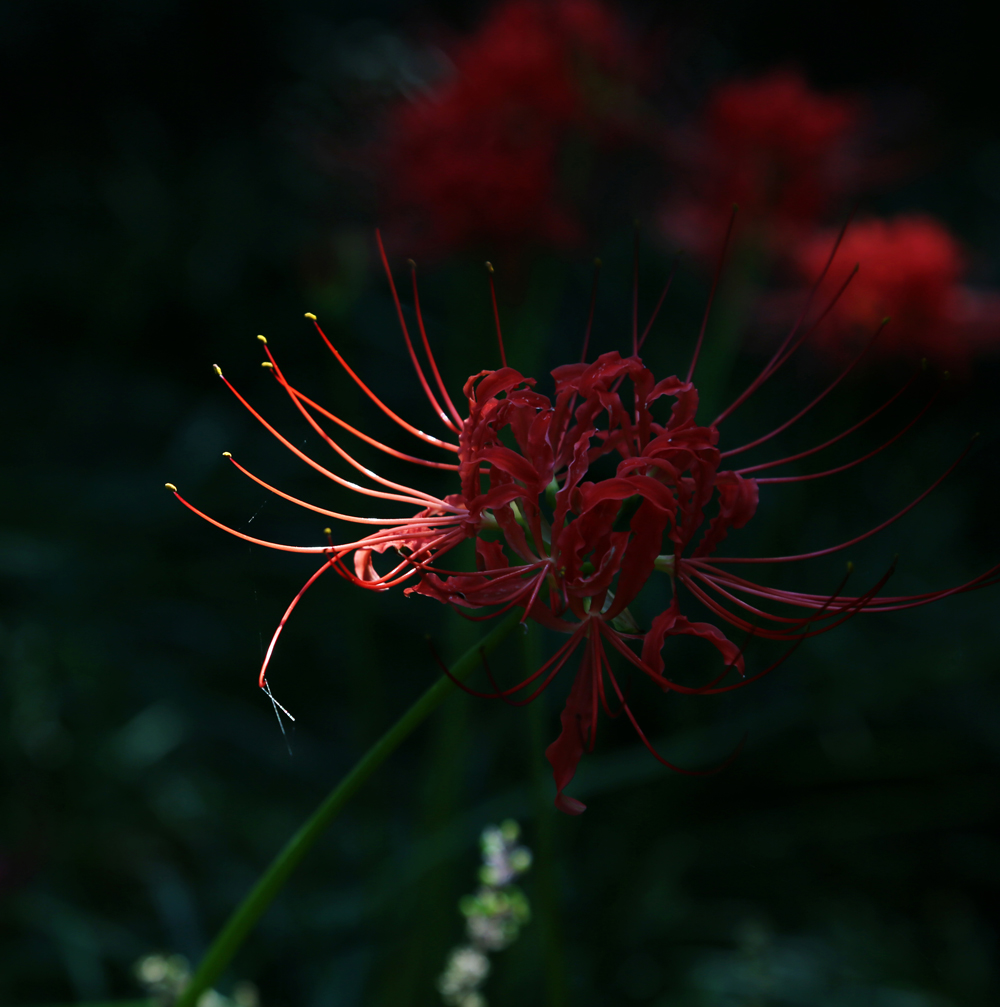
<point>166,200</point>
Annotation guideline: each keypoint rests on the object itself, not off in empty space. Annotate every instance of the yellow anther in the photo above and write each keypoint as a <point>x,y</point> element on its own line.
<point>263,340</point>
<point>489,266</point>
<point>217,369</point>
<point>850,567</point>
<point>267,364</point>
<point>411,263</point>
<point>327,531</point>
<point>227,454</point>
<point>311,316</point>
<point>171,487</point>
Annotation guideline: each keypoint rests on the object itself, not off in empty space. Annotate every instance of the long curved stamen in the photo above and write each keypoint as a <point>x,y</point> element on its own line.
<point>479,599</point>
<point>459,422</point>
<point>879,604</point>
<point>386,536</point>
<point>857,461</point>
<point>833,440</point>
<point>517,592</point>
<point>429,537</point>
<point>399,574</point>
<point>561,656</point>
<point>281,625</point>
<point>860,538</point>
<point>799,599</point>
<point>496,314</point>
<point>711,294</point>
<point>649,746</point>
<point>815,402</point>
<point>346,455</point>
<point>417,498</point>
<point>590,316</point>
<point>294,393</point>
<point>514,602</point>
<point>660,680</point>
<point>813,291</point>
<point>442,415</point>
<point>248,538</point>
<point>831,304</point>
<point>716,690</point>
<point>635,291</point>
<point>539,581</point>
<point>570,646</point>
<point>503,695</point>
<point>395,417</point>
<point>594,645</point>
<point>403,571</point>
<point>494,577</point>
<point>807,600</point>
<point>432,538</point>
<point>716,585</point>
<point>823,614</point>
<point>659,303</point>
<point>336,515</point>
<point>603,664</point>
<point>583,354</point>
<point>777,360</point>
<point>987,579</point>
<point>489,674</point>
<point>667,683</point>
<point>401,455</point>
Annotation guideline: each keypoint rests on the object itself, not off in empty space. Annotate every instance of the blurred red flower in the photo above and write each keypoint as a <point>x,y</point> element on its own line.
<point>911,269</point>
<point>774,146</point>
<point>477,158</point>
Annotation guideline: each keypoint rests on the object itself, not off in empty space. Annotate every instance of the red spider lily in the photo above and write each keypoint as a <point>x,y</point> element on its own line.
<point>476,157</point>
<point>575,501</point>
<point>771,144</point>
<point>912,271</point>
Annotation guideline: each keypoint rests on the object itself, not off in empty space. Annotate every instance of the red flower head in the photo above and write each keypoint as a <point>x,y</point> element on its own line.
<point>910,269</point>
<point>772,145</point>
<point>475,159</point>
<point>575,501</point>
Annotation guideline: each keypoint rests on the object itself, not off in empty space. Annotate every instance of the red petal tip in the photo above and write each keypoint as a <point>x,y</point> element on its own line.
<point>570,805</point>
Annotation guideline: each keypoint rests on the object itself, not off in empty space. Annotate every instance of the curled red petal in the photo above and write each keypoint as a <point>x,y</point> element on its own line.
<point>577,733</point>
<point>671,623</point>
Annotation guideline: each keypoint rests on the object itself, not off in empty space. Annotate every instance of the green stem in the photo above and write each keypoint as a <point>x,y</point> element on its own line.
<point>239,925</point>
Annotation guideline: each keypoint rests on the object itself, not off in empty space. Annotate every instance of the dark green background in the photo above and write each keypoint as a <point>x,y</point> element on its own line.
<point>167,196</point>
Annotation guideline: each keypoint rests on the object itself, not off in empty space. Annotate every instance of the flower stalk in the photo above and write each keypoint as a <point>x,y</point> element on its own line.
<point>243,919</point>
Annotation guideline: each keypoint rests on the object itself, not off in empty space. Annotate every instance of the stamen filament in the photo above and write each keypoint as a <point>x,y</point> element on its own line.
<point>815,402</point>
<point>395,417</point>
<point>857,461</point>
<point>776,360</point>
<point>711,294</point>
